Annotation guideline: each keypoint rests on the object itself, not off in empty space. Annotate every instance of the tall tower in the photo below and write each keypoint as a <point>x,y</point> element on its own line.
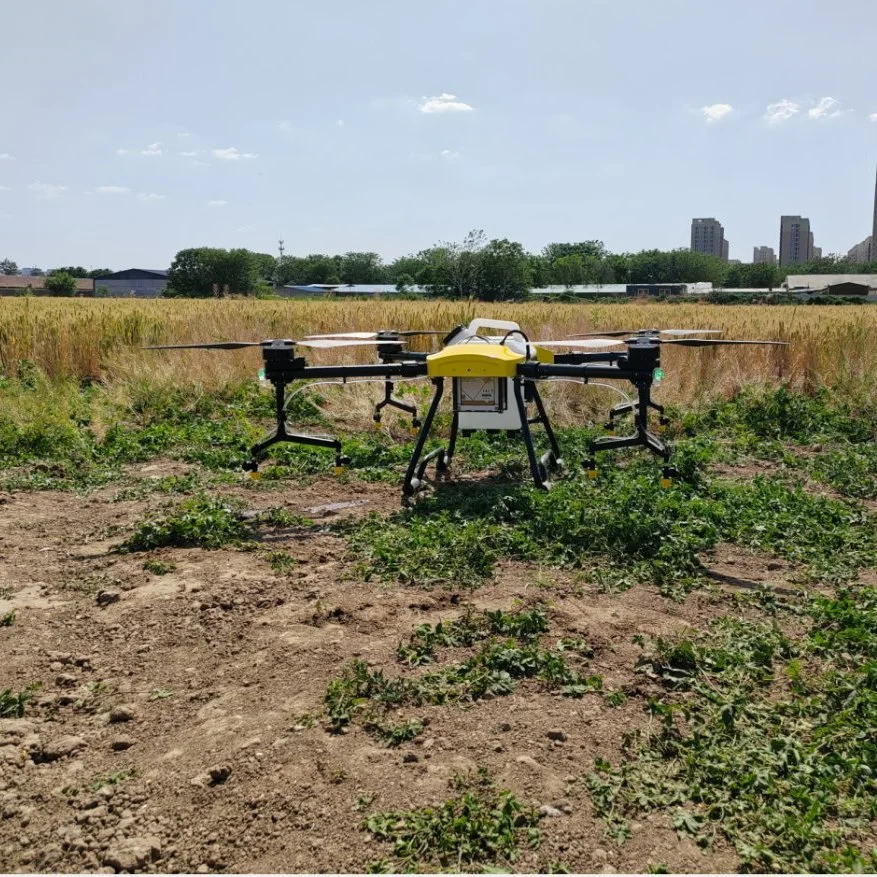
<point>795,240</point>
<point>874,227</point>
<point>708,236</point>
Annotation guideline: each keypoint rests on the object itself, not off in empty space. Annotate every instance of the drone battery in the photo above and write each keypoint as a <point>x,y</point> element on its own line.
<point>483,403</point>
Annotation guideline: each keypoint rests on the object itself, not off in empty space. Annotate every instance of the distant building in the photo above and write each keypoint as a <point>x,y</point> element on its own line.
<point>296,290</point>
<point>862,252</point>
<point>815,252</point>
<point>708,236</point>
<point>132,283</point>
<point>795,240</point>
<point>18,284</point>
<point>726,248</point>
<point>657,288</point>
<point>764,256</point>
<point>833,284</point>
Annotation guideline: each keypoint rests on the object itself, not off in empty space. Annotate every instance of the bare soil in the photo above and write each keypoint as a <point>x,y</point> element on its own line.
<point>180,727</point>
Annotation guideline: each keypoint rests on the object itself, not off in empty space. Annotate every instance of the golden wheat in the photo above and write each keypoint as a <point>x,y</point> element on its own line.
<point>100,340</point>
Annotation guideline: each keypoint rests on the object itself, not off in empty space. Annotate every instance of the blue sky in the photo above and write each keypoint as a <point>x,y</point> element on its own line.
<point>133,129</point>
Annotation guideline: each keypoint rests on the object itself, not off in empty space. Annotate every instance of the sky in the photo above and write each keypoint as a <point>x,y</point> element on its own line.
<point>132,130</point>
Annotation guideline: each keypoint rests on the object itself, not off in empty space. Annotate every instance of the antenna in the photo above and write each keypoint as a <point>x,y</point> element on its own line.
<point>280,247</point>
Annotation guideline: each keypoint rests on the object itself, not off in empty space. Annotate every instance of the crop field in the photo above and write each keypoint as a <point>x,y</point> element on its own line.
<point>206,672</point>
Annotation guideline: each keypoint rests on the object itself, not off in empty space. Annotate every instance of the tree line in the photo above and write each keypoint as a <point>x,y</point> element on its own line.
<point>476,267</point>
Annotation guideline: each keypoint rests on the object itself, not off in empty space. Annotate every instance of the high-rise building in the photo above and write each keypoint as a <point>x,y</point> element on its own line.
<point>862,252</point>
<point>764,256</point>
<point>815,252</point>
<point>795,240</point>
<point>726,246</point>
<point>708,236</point>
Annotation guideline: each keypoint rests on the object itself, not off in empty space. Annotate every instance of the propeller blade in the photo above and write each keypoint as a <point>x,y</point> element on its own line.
<point>656,332</point>
<point>326,343</point>
<point>364,336</point>
<point>709,342</point>
<point>584,343</point>
<point>410,333</point>
<point>614,333</point>
<point>691,331</point>
<point>213,345</point>
<point>347,336</point>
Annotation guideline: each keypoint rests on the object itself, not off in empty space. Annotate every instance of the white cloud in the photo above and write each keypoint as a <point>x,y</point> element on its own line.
<point>4,188</point>
<point>449,154</point>
<point>339,123</point>
<point>143,196</point>
<point>781,111</point>
<point>232,154</point>
<point>152,149</point>
<point>716,112</point>
<point>112,190</point>
<point>445,103</point>
<point>47,191</point>
<point>121,152</point>
<point>827,108</point>
<point>5,156</point>
<point>184,134</point>
<point>872,117</point>
<point>197,163</point>
<point>217,203</point>
<point>189,154</point>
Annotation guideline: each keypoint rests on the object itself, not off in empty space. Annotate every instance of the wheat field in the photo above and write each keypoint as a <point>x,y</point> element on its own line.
<point>99,341</point>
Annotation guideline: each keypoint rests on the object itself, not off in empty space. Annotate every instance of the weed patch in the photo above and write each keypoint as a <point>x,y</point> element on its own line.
<point>506,648</point>
<point>200,521</point>
<point>481,825</point>
<point>768,744</point>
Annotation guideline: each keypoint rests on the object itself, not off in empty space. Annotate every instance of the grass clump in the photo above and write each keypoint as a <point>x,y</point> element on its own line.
<point>479,826</point>
<point>202,521</point>
<point>8,619</point>
<point>770,745</point>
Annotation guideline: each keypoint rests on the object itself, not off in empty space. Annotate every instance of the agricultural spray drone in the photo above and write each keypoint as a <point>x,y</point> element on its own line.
<point>494,370</point>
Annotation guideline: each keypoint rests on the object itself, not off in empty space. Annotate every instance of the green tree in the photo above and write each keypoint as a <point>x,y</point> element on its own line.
<point>8,267</point>
<point>595,249</point>
<point>404,282</point>
<point>362,268</point>
<point>504,271</point>
<point>37,272</point>
<point>61,283</point>
<point>569,270</point>
<point>72,270</point>
<point>407,265</point>
<point>100,272</point>
<point>202,271</point>
<point>266,265</point>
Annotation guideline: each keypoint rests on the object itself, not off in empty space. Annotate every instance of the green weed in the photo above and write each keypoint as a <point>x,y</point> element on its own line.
<point>159,567</point>
<point>281,562</point>
<point>505,649</point>
<point>8,619</point>
<point>765,743</point>
<point>480,826</point>
<point>112,779</point>
<point>12,702</point>
<point>200,521</point>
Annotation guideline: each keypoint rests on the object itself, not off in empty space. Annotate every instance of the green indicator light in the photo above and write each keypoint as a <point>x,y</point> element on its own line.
<point>658,373</point>
<point>261,374</point>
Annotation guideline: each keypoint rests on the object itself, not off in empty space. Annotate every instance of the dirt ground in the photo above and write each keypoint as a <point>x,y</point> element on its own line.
<point>171,731</point>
